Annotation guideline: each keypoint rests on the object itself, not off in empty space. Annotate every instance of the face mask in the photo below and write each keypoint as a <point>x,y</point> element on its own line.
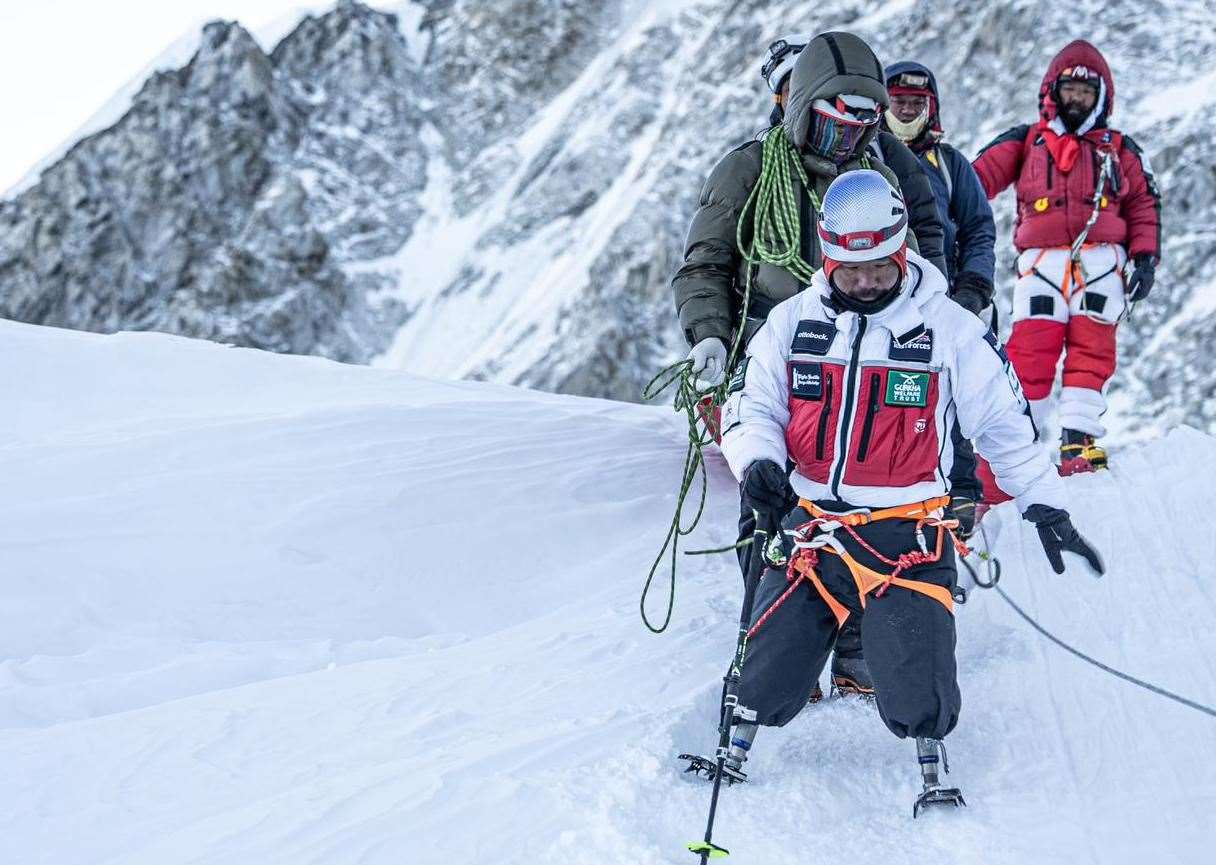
<point>843,301</point>
<point>910,131</point>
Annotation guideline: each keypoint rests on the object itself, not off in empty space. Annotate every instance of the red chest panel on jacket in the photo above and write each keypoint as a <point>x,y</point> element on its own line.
<point>1054,205</point>
<point>892,433</point>
<point>816,397</point>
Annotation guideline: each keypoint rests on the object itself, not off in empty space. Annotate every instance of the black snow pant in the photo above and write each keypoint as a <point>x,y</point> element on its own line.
<point>963,482</point>
<point>848,642</point>
<point>908,637</point>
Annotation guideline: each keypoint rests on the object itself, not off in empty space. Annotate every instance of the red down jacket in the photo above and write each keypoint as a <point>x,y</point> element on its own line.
<point>1056,172</point>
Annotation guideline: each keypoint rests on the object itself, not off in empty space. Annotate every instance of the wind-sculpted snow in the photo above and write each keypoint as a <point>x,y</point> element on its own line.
<point>281,610</point>
<point>501,190</point>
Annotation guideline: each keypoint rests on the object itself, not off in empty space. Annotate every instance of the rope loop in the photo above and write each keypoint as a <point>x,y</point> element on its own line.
<point>772,210</point>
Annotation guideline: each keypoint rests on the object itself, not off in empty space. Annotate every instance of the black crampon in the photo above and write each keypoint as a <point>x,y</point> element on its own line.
<point>699,765</point>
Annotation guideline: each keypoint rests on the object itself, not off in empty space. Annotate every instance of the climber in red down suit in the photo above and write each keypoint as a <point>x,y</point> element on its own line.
<point>1086,205</point>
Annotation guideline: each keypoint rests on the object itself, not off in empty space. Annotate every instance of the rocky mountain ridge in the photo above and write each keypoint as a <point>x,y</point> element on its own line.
<point>501,191</point>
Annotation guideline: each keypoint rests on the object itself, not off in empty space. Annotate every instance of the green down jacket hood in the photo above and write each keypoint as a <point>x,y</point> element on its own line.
<point>832,64</point>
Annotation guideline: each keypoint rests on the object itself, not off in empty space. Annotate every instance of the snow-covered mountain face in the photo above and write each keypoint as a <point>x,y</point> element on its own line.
<point>500,191</point>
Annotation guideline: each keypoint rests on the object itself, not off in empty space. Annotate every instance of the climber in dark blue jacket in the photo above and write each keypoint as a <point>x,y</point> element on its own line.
<point>970,235</point>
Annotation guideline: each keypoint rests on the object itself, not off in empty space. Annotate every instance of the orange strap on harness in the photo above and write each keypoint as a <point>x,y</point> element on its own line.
<point>1073,274</point>
<point>825,523</point>
<point>917,511</point>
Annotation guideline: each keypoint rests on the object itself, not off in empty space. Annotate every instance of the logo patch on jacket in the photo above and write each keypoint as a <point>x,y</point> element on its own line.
<point>917,348</point>
<point>907,388</point>
<point>740,376</point>
<point>806,380</point>
<point>813,337</point>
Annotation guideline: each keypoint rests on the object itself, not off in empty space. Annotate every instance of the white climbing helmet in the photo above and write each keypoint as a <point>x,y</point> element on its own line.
<point>782,54</point>
<point>863,218</point>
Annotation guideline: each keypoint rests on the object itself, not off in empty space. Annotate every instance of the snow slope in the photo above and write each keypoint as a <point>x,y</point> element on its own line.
<point>272,609</point>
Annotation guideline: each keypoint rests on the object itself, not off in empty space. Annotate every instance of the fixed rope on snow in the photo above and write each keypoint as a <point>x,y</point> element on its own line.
<point>1072,650</point>
<point>1148,686</point>
<point>776,239</point>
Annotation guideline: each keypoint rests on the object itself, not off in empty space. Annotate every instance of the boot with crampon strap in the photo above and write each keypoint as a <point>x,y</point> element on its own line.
<point>1080,453</point>
<point>851,676</point>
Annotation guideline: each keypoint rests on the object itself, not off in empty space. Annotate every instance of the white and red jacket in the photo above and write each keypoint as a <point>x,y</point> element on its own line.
<point>863,405</point>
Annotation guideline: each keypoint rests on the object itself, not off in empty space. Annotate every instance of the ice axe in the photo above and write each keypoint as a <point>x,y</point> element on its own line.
<point>765,528</point>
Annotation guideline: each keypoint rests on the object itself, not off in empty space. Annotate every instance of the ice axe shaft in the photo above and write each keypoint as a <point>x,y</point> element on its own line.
<point>730,683</point>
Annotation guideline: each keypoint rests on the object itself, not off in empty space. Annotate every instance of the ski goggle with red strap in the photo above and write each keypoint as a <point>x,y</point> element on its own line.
<point>855,241</point>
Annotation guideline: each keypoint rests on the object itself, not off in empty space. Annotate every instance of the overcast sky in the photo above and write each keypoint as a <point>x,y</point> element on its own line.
<point>61,60</point>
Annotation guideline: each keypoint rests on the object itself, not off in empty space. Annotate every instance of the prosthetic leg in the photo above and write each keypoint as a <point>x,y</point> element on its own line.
<point>931,754</point>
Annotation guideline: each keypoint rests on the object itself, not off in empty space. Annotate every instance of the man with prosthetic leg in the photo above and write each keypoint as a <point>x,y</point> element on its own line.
<point>857,381</point>
<point>830,95</point>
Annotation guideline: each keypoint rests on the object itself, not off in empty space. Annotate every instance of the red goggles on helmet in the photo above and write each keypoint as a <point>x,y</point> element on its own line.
<point>856,241</point>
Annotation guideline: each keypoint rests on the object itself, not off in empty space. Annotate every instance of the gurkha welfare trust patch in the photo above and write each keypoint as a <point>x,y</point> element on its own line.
<point>907,388</point>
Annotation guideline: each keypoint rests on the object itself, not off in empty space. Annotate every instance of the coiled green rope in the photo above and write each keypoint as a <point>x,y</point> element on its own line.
<point>776,239</point>
<point>773,203</point>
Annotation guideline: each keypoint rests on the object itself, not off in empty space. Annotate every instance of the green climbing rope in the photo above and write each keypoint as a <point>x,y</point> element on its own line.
<point>772,209</point>
<point>700,435</point>
<point>773,206</point>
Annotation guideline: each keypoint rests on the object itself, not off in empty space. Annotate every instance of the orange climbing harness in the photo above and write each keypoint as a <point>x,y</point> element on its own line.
<point>819,533</point>
<point>1074,273</point>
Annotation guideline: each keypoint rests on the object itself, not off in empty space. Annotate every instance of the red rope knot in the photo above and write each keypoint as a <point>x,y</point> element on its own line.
<point>801,563</point>
<point>950,525</point>
<point>904,562</point>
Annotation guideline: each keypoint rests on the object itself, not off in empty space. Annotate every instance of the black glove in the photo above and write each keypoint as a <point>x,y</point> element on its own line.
<point>971,291</point>
<point>962,508</point>
<point>766,488</point>
<point>1057,533</point>
<point>1140,283</point>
